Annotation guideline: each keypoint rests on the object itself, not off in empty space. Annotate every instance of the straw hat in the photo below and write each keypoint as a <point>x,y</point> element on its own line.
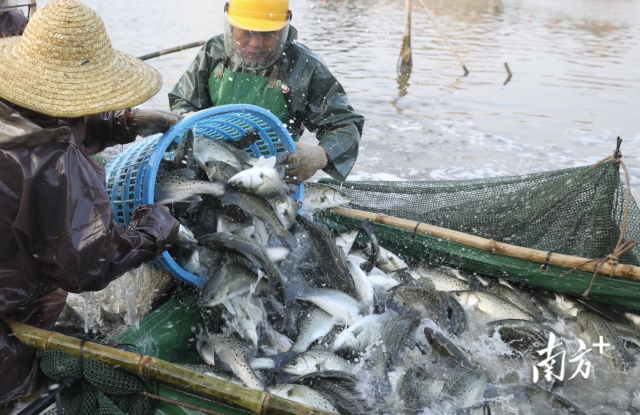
<point>64,65</point>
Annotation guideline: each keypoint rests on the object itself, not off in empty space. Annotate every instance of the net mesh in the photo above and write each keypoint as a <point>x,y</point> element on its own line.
<point>576,211</point>
<point>105,392</point>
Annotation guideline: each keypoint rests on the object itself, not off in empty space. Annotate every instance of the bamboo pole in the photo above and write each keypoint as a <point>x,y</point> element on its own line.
<point>466,72</point>
<point>172,50</point>
<point>149,367</point>
<point>405,61</point>
<point>32,8</point>
<point>535,255</point>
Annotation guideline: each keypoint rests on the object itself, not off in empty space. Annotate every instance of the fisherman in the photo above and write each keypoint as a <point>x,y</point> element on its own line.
<point>12,20</point>
<point>258,61</point>
<point>57,229</point>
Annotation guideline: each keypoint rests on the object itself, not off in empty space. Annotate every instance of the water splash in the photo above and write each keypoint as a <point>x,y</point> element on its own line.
<point>129,286</point>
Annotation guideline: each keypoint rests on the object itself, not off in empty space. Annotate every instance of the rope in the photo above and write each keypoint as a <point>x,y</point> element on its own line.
<point>178,403</point>
<point>621,247</point>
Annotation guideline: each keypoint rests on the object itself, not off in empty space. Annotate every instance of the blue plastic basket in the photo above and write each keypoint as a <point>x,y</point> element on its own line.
<point>131,175</point>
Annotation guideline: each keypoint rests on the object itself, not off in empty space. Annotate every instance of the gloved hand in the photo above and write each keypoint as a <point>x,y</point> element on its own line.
<point>147,121</point>
<point>309,158</point>
<point>156,222</point>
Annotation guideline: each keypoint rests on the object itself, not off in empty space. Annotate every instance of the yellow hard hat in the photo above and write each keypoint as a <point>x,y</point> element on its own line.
<point>258,15</point>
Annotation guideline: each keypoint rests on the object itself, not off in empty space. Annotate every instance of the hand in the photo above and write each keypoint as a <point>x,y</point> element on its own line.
<point>309,158</point>
<point>146,122</point>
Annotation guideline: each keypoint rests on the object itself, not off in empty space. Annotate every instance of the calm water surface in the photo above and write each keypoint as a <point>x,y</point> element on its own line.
<point>575,84</point>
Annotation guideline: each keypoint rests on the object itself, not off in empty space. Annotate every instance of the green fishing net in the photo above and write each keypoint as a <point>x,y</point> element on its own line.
<point>106,391</point>
<point>576,211</point>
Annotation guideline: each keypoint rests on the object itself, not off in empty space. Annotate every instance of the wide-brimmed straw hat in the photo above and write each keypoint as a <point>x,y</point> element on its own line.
<point>64,65</point>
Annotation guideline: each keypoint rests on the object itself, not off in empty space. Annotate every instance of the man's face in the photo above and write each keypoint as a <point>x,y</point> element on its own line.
<point>255,47</point>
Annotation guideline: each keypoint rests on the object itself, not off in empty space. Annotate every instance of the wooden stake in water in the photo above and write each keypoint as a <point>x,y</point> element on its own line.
<point>405,61</point>
<point>426,10</point>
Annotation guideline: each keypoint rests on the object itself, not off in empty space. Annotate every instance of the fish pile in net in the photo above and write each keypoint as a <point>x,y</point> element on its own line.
<point>349,328</point>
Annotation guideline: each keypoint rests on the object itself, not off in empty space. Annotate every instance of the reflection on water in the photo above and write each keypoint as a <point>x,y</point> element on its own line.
<point>575,83</point>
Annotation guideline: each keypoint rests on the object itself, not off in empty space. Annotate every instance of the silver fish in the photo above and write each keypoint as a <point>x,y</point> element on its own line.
<point>219,171</point>
<point>361,334</point>
<point>70,316</point>
<point>316,360</point>
<point>286,208</point>
<point>446,348</point>
<point>321,196</point>
<point>567,306</point>
<point>189,261</point>
<point>314,325</point>
<point>232,280</point>
<point>363,286</point>
<point>633,319</point>
<point>334,302</point>
<point>209,149</point>
<point>261,180</point>
<point>518,299</point>
<point>493,305</point>
<point>466,388</point>
<point>304,395</point>
<point>181,186</point>
<point>231,352</point>
<point>346,240</point>
<point>248,316</point>
<point>184,154</point>
<point>596,327</point>
<point>383,282</point>
<point>185,237</point>
<point>438,280</point>
<point>264,211</point>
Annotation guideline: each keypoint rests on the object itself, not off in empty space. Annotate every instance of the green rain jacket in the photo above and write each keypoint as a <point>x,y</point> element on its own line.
<point>316,101</point>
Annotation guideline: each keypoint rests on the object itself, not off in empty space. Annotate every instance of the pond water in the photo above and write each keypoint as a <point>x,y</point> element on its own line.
<point>575,83</point>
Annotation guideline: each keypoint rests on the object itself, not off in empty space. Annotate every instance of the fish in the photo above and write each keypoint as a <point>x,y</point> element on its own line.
<point>518,300</point>
<point>316,360</point>
<point>423,300</point>
<point>452,318</point>
<point>69,315</point>
<point>260,208</point>
<point>633,319</point>
<point>335,271</point>
<point>439,280</point>
<point>209,149</point>
<point>233,353</point>
<point>346,240</point>
<point>596,327</point>
<point>465,389</point>
<point>286,209</point>
<point>112,318</point>
<point>338,304</point>
<point>184,153</point>
<point>322,196</point>
<point>248,316</point>
<point>387,350</point>
<point>304,395</point>
<point>374,248</point>
<point>314,325</point>
<point>261,180</point>
<point>388,261</point>
<point>446,348</point>
<point>238,242</point>
<point>521,334</point>
<point>567,305</point>
<point>492,304</point>
<point>413,389</point>
<point>185,238</point>
<point>182,186</point>
<point>364,288</point>
<point>382,282</point>
<point>219,171</point>
<point>358,337</point>
<point>231,280</point>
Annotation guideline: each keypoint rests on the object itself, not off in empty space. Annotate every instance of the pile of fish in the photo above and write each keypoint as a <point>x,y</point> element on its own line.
<point>342,324</point>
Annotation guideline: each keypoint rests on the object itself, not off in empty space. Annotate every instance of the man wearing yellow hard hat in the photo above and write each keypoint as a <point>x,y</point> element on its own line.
<point>258,61</point>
